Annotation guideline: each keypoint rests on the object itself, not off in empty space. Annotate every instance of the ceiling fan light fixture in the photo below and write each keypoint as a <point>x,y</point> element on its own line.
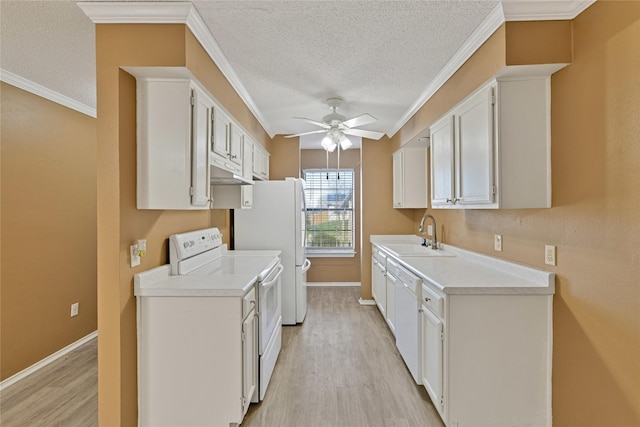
<point>345,142</point>
<point>328,144</point>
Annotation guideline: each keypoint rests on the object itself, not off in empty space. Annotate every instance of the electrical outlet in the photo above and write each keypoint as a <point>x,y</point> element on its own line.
<point>430,230</point>
<point>135,256</point>
<point>550,254</point>
<point>74,309</point>
<point>497,242</point>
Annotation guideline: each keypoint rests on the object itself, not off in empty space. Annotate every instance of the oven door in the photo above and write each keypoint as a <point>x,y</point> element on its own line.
<point>269,306</point>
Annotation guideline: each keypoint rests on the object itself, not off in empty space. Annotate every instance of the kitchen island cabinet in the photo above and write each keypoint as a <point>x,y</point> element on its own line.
<point>486,328</point>
<point>197,350</point>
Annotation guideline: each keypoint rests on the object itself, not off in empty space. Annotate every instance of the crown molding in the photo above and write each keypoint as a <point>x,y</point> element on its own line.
<point>480,35</point>
<point>174,13</point>
<point>137,13</point>
<point>507,10</point>
<point>51,95</point>
<point>549,10</point>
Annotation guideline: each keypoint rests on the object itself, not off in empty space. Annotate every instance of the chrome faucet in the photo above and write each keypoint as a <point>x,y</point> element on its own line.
<point>434,243</point>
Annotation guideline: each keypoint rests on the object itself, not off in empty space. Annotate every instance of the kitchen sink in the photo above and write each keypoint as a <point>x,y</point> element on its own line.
<point>409,249</point>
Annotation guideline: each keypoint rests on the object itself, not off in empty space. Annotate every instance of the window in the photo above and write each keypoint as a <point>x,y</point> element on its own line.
<point>330,216</point>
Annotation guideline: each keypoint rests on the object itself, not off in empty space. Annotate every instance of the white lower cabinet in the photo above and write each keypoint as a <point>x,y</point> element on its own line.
<point>485,351</point>
<point>432,356</point>
<point>486,359</point>
<point>378,281</point>
<point>392,279</point>
<point>197,359</point>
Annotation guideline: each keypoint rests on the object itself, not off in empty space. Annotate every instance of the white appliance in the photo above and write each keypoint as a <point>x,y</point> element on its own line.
<point>408,321</point>
<point>201,253</point>
<point>277,221</point>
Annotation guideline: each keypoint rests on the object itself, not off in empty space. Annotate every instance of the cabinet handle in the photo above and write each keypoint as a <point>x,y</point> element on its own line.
<point>427,299</point>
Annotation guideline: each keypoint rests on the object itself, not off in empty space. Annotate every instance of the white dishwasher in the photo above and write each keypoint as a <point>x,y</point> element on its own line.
<point>408,321</point>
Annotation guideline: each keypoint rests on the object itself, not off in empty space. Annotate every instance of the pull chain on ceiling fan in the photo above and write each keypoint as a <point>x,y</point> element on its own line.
<point>337,127</point>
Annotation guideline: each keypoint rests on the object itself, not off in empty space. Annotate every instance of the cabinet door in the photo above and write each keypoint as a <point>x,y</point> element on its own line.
<point>246,196</point>
<point>391,302</point>
<point>200,114</point>
<point>442,160</point>
<point>249,359</point>
<point>374,279</point>
<point>247,157</point>
<point>235,144</point>
<point>432,353</point>
<point>398,179</point>
<point>221,124</point>
<point>474,149</point>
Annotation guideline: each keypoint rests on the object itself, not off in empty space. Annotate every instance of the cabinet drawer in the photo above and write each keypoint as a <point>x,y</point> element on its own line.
<point>248,302</point>
<point>432,300</point>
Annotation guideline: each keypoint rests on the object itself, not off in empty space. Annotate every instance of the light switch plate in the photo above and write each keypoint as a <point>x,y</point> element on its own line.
<point>550,254</point>
<point>74,309</point>
<point>135,258</point>
<point>497,242</point>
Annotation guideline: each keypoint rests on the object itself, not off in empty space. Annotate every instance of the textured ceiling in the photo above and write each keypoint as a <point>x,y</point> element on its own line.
<point>377,55</point>
<point>289,56</point>
<point>51,43</point>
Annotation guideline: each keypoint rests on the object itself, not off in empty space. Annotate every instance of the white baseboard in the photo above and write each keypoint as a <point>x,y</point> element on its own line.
<point>44,362</point>
<point>366,301</point>
<point>333,284</point>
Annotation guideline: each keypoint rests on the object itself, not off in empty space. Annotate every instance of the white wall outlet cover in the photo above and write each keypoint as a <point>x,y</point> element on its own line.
<point>135,258</point>
<point>497,242</point>
<point>74,309</point>
<point>430,230</point>
<point>550,254</point>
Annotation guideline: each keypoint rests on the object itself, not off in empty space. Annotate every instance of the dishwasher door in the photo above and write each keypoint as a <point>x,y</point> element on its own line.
<point>408,336</point>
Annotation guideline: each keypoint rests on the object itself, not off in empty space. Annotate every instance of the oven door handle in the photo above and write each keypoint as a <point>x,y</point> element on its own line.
<point>273,281</point>
<point>307,265</point>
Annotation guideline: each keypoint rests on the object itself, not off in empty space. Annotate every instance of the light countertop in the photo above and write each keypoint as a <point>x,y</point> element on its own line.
<point>159,282</point>
<point>467,272</point>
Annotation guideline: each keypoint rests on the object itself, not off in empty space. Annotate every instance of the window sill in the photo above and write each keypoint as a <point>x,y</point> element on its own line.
<point>328,253</point>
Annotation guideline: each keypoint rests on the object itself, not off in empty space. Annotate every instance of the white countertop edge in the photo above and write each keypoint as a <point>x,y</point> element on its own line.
<point>544,281</point>
<point>159,282</point>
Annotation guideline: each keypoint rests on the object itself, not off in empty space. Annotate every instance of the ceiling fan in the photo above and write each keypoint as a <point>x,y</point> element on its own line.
<point>337,127</point>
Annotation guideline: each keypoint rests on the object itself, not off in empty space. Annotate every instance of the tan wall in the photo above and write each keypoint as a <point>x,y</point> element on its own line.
<point>378,214</point>
<point>336,269</point>
<point>285,158</point>
<point>119,222</point>
<point>48,228</point>
<point>594,221</point>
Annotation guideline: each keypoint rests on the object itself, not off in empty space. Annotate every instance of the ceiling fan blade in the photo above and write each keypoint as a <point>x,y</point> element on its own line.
<point>371,134</point>
<point>361,120</point>
<point>315,122</point>
<point>306,133</point>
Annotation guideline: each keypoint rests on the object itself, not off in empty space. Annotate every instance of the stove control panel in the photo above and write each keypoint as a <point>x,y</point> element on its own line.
<point>186,245</point>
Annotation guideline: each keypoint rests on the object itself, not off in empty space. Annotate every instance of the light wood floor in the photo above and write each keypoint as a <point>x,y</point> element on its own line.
<point>63,393</point>
<point>339,368</point>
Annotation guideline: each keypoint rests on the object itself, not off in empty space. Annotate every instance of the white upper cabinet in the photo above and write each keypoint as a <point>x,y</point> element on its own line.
<point>237,196</point>
<point>235,144</point>
<point>173,133</point>
<point>493,149</point>
<point>410,177</point>
<point>260,162</point>
<point>442,191</point>
<point>227,143</point>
